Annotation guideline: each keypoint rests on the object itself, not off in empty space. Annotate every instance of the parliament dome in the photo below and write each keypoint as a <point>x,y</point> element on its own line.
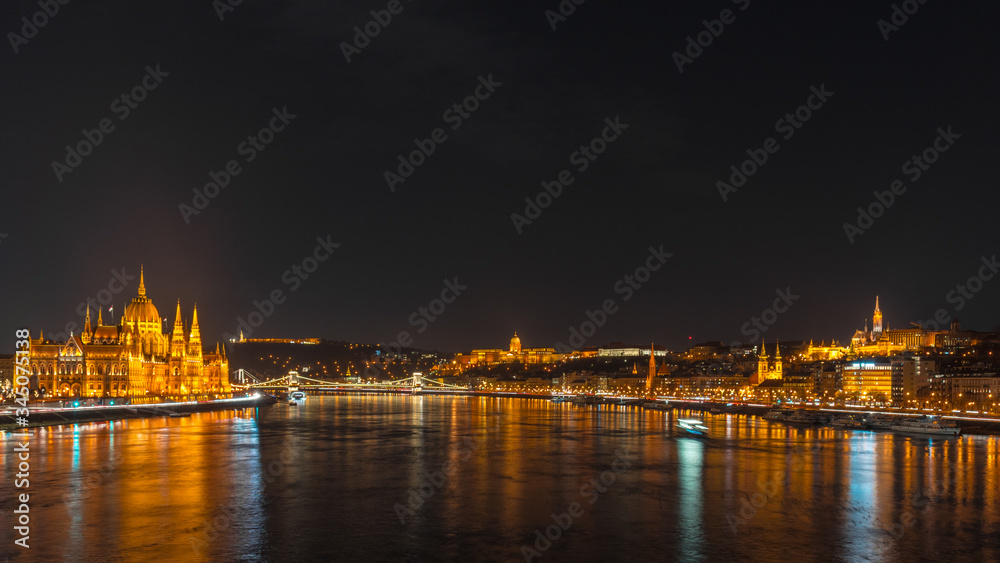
<point>141,308</point>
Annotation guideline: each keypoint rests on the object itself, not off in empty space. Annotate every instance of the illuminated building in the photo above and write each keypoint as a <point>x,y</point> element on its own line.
<point>911,374</point>
<point>617,349</point>
<point>765,369</point>
<point>977,392</point>
<point>133,358</point>
<point>886,342</point>
<point>515,353</point>
<point>869,380</point>
<point>824,352</point>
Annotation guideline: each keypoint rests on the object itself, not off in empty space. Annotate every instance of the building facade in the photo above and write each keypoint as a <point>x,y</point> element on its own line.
<point>869,380</point>
<point>515,353</point>
<point>767,369</point>
<point>132,358</point>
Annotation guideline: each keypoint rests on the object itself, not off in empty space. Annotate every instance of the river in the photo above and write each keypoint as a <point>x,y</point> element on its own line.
<point>443,478</point>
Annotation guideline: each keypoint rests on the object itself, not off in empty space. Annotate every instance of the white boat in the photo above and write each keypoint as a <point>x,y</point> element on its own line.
<point>296,397</point>
<point>692,426</point>
<point>924,425</point>
<point>562,398</point>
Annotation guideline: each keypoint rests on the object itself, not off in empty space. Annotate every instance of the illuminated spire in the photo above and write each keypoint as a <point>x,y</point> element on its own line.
<point>86,322</point>
<point>777,350</point>
<point>876,303</point>
<point>178,323</point>
<point>195,332</point>
<point>763,348</point>
<point>142,283</point>
<point>100,320</point>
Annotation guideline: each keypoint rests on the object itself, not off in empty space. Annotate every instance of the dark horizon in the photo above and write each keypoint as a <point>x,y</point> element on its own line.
<point>875,98</point>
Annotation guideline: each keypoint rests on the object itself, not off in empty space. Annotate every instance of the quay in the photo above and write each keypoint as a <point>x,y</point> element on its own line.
<point>53,416</point>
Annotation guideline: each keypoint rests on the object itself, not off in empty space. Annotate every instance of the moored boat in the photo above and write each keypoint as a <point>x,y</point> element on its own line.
<point>925,425</point>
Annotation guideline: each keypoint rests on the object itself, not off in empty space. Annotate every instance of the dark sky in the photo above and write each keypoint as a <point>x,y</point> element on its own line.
<point>323,175</point>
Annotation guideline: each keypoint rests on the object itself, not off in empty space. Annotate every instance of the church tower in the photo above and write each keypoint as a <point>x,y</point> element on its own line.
<point>652,368</point>
<point>876,321</point>
<point>777,374</point>
<point>762,362</point>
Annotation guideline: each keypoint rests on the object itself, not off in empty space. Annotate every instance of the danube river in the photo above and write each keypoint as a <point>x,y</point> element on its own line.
<point>438,478</point>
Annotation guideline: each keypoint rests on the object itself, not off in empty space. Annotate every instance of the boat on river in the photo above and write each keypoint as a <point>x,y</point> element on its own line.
<point>692,427</point>
<point>926,425</point>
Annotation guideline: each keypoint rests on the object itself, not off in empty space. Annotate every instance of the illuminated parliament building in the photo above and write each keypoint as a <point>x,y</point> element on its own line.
<point>132,358</point>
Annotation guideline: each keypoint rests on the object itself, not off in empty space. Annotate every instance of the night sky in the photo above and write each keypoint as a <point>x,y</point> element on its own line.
<point>654,185</point>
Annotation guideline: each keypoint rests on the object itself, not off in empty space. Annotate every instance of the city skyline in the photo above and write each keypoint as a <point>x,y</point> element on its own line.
<point>754,330</point>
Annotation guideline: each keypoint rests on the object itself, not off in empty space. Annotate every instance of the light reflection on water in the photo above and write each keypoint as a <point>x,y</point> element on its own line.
<point>322,482</point>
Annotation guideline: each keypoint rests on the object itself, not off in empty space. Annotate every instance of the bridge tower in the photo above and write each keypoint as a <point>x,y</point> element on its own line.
<point>417,385</point>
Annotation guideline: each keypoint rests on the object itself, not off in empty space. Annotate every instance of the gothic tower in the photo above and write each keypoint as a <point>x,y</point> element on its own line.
<point>876,321</point>
<point>762,362</point>
<point>85,337</point>
<point>777,373</point>
<point>652,368</point>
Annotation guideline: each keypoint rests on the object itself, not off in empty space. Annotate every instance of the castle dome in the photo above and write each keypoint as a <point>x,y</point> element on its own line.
<point>515,344</point>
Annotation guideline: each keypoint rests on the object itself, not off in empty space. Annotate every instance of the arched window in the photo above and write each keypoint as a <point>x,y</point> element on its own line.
<point>62,369</point>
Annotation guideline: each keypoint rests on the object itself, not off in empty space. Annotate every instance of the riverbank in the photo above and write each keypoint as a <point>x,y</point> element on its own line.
<point>968,424</point>
<point>38,417</point>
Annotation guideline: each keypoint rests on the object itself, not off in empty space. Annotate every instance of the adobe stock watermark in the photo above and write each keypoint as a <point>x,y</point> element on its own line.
<point>105,296</point>
<point>223,7</point>
<point>900,15</point>
<point>962,293</point>
<point>786,126</point>
<point>421,318</point>
<point>363,36</point>
<point>757,325</point>
<point>625,286</point>
<point>249,148</point>
<point>230,513</point>
<point>122,107</point>
<point>94,481</point>
<point>702,40</point>
<point>293,278</point>
<point>31,26</point>
<point>581,157</point>
<point>563,521</point>
<point>914,169</point>
<point>455,115</point>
